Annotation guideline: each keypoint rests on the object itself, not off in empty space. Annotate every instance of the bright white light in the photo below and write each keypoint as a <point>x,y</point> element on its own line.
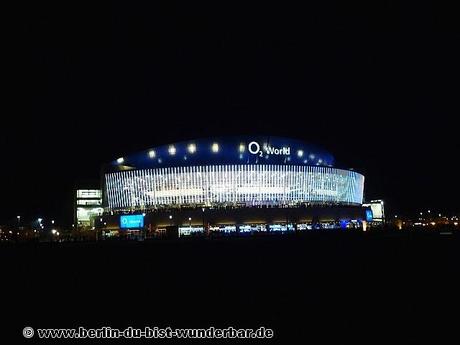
<point>215,147</point>
<point>53,232</point>
<point>52,222</point>
<point>120,160</point>
<point>300,153</point>
<point>172,150</point>
<point>143,214</point>
<point>40,220</point>
<point>396,216</point>
<point>189,218</point>
<point>429,211</point>
<point>242,148</point>
<point>170,217</point>
<point>57,233</point>
<point>152,154</point>
<point>191,148</point>
<point>235,184</point>
<point>440,215</point>
<point>18,217</point>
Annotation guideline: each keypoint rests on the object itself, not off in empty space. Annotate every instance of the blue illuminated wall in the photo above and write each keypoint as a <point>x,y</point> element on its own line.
<point>227,150</point>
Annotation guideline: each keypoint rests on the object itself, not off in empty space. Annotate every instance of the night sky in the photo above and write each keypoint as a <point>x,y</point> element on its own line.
<point>375,84</point>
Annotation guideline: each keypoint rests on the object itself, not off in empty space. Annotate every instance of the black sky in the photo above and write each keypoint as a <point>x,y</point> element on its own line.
<point>374,83</point>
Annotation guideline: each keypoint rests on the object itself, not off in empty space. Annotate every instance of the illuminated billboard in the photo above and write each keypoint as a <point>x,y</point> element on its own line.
<point>134,221</point>
<point>378,210</point>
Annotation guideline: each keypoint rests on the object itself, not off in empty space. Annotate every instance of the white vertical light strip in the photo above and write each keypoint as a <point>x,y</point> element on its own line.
<point>108,191</point>
<point>116,190</point>
<point>120,183</point>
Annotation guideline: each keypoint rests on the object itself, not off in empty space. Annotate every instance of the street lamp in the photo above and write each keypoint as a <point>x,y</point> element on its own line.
<point>190,222</point>
<point>19,221</point>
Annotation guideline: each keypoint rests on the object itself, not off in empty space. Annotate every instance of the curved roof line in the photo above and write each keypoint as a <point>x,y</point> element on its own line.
<point>227,150</point>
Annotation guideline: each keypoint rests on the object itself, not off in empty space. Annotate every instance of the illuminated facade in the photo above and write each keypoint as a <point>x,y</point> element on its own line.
<point>88,205</point>
<point>248,171</point>
<point>248,185</point>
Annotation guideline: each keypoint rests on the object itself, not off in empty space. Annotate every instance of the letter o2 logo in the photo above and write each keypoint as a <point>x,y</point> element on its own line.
<point>254,147</point>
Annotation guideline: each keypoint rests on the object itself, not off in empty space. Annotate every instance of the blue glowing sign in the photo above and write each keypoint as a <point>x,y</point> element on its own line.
<point>134,221</point>
<point>369,215</point>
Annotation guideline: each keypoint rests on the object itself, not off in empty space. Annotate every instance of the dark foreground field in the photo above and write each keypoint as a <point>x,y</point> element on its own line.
<point>320,288</point>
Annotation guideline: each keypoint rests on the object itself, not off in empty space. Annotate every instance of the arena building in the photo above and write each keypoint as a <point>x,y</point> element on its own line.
<point>233,184</point>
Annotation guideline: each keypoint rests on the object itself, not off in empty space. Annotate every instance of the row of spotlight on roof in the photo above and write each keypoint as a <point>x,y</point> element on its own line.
<point>191,148</point>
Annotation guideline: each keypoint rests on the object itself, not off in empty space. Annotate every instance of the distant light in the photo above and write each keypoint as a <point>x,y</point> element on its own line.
<point>100,219</point>
<point>396,216</point>
<point>152,154</point>
<point>215,147</point>
<point>18,217</point>
<point>159,160</point>
<point>170,216</point>
<point>35,230</point>
<point>421,213</point>
<point>429,211</point>
<point>53,232</point>
<point>52,222</point>
<point>311,156</point>
<point>300,153</point>
<point>202,209</point>
<point>57,233</point>
<point>440,215</point>
<point>191,148</point>
<point>143,214</point>
<point>242,148</point>
<point>305,161</point>
<point>433,223</point>
<point>120,160</point>
<point>172,150</point>
<point>40,220</point>
<point>105,223</point>
<point>320,161</point>
<point>455,223</point>
<point>189,218</point>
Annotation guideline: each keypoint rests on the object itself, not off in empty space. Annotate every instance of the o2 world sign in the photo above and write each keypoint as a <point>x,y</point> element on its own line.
<point>255,149</point>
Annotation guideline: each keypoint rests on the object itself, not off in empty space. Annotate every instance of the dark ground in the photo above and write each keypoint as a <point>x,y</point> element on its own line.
<point>321,288</point>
